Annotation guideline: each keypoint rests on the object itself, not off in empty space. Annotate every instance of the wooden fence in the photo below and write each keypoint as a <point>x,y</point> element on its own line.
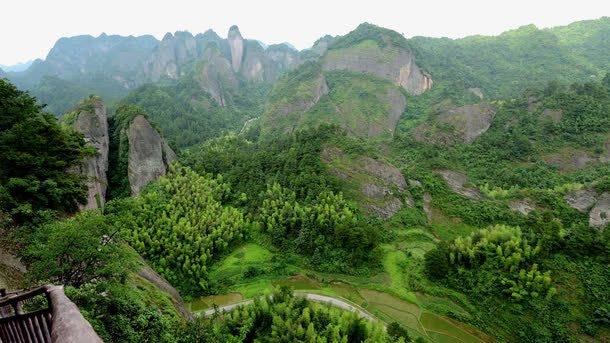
<point>53,318</point>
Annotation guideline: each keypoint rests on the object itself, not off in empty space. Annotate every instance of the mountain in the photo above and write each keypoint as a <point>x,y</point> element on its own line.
<point>504,65</point>
<point>452,190</point>
<point>21,66</point>
<point>89,117</point>
<point>111,66</point>
<point>360,82</point>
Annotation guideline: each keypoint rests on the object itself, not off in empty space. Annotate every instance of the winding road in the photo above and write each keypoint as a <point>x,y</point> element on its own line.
<point>311,296</point>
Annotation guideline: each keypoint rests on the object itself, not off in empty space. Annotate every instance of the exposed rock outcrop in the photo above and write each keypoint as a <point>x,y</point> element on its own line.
<point>569,159</point>
<point>311,95</point>
<point>469,122</point>
<point>255,66</point>
<point>599,216</point>
<point>170,55</point>
<point>392,63</point>
<point>91,120</point>
<point>458,182</point>
<point>376,183</point>
<point>523,206</point>
<point>476,91</point>
<point>581,199</point>
<point>597,204</point>
<point>149,155</point>
<point>383,171</point>
<point>216,76</point>
<point>151,276</point>
<point>236,42</point>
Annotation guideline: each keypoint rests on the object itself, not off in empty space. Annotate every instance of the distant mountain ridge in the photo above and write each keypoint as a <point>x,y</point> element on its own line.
<point>20,66</point>
<point>112,65</point>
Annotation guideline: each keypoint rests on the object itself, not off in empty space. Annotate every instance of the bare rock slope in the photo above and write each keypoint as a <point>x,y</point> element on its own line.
<point>149,154</point>
<point>92,121</point>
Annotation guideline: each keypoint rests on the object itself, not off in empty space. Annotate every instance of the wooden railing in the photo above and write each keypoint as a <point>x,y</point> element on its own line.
<point>53,319</point>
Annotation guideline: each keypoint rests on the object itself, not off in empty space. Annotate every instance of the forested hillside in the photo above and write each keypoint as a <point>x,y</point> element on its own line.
<point>451,190</point>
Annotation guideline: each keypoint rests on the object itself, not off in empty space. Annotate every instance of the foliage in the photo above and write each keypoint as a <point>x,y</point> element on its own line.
<point>507,64</point>
<point>36,154</point>
<point>292,196</point>
<point>293,161</point>
<point>283,317</point>
<point>501,249</point>
<point>76,251</point>
<point>179,224</point>
<point>188,116</point>
<point>327,229</point>
<point>366,31</point>
<point>125,312</point>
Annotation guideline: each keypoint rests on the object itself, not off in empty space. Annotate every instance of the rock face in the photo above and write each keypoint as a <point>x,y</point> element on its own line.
<point>469,122</point>
<point>599,216</point>
<point>170,55</point>
<point>151,276</point>
<point>376,183</point>
<point>570,159</point>
<point>392,63</point>
<point>149,155</point>
<point>581,199</point>
<point>458,183</point>
<point>91,120</point>
<point>314,91</point>
<point>598,205</point>
<point>236,42</point>
<point>255,64</point>
<point>523,206</point>
<point>216,77</point>
<point>477,91</point>
<point>383,171</point>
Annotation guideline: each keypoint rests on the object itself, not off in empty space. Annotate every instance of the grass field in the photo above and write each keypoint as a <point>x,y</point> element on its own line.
<point>385,295</point>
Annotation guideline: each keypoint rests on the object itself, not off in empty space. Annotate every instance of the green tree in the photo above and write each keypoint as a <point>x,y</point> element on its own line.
<point>36,154</point>
<point>77,250</point>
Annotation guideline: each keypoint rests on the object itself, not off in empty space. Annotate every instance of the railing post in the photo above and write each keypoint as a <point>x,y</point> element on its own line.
<point>68,324</point>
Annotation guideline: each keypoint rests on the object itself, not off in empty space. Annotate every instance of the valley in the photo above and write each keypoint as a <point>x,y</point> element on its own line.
<point>371,188</point>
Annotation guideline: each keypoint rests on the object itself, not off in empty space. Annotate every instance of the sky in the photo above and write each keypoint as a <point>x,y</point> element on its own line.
<point>29,29</point>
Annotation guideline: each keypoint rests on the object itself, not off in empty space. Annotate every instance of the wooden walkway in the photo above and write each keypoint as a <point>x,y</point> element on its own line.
<point>42,315</point>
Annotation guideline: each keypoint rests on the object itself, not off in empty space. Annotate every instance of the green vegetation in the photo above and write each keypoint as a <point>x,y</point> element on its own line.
<point>179,224</point>
<point>291,196</point>
<point>239,217</point>
<point>187,115</point>
<point>283,317</point>
<point>507,64</point>
<point>35,155</point>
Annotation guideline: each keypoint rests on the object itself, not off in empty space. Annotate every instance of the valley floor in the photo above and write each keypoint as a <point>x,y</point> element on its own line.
<point>382,296</point>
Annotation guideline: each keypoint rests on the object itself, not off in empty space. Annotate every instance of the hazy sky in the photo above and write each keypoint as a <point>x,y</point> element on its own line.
<point>28,29</point>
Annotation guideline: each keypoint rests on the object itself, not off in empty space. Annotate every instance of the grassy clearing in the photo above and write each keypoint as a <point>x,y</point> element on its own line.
<point>242,257</point>
<point>385,295</point>
<point>434,323</point>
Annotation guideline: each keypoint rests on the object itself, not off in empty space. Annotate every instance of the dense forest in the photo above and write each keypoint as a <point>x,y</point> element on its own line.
<point>474,208</point>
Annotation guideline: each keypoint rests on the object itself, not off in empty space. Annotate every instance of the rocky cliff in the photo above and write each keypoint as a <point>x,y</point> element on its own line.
<point>392,63</point>
<point>596,204</point>
<point>170,55</point>
<point>465,124</point>
<point>236,42</point>
<point>149,155</point>
<point>375,184</point>
<point>90,118</point>
<point>216,76</point>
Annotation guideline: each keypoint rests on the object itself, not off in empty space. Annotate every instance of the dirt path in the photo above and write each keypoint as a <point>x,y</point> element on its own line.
<point>311,296</point>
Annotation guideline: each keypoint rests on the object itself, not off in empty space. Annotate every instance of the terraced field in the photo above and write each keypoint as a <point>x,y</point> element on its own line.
<point>386,296</point>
